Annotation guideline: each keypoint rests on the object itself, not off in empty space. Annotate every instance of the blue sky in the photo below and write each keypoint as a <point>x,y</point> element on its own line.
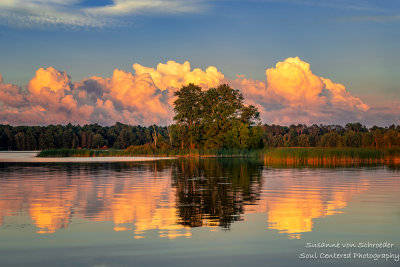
<point>354,43</point>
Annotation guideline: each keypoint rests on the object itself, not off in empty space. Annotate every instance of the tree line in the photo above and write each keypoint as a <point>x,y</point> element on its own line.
<point>121,136</point>
<point>118,136</point>
<point>351,135</point>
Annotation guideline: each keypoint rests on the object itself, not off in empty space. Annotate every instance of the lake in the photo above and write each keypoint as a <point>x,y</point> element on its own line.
<point>216,212</point>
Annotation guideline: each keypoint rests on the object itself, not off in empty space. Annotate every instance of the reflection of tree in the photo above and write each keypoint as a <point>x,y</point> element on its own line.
<point>213,192</point>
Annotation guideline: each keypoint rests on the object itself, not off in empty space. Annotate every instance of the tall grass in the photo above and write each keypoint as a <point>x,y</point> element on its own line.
<point>331,156</point>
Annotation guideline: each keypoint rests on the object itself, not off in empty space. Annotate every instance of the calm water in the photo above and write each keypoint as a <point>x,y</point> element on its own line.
<point>195,213</point>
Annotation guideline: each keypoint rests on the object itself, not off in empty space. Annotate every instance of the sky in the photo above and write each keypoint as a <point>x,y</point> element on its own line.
<point>298,61</point>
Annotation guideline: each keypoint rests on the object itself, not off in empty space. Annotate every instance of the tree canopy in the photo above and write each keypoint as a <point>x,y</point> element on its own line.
<point>215,118</point>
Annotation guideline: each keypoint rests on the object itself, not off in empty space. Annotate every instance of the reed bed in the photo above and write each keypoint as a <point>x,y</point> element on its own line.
<point>331,156</point>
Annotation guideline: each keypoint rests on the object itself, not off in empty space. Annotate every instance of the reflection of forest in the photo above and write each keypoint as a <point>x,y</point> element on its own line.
<point>169,197</point>
<point>214,192</point>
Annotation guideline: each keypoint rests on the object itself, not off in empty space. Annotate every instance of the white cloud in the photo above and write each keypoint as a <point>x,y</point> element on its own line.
<point>125,7</point>
<point>37,13</point>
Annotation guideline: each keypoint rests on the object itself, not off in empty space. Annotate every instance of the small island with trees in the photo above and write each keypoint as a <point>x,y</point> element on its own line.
<point>212,123</point>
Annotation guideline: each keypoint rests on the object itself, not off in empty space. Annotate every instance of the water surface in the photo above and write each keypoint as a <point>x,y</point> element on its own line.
<point>220,212</point>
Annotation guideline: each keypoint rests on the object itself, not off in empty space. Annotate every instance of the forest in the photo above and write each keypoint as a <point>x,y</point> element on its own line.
<point>121,136</point>
<point>211,119</point>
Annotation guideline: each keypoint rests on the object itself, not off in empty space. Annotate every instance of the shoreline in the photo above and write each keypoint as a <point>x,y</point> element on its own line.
<point>31,157</point>
<point>286,156</point>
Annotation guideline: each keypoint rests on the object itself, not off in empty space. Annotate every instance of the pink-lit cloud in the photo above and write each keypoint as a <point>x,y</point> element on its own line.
<point>49,78</point>
<point>291,93</point>
<point>176,75</point>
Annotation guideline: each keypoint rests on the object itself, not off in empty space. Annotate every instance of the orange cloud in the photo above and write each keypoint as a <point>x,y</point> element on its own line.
<point>49,78</point>
<point>291,93</point>
<point>125,97</point>
<point>176,75</point>
<point>293,80</point>
<point>145,97</point>
<point>10,96</point>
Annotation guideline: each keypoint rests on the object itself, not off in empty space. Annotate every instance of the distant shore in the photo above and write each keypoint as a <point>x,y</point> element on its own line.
<point>31,157</point>
<point>149,152</point>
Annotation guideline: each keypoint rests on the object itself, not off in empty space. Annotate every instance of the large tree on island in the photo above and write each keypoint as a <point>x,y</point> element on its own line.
<point>216,118</point>
<point>188,111</point>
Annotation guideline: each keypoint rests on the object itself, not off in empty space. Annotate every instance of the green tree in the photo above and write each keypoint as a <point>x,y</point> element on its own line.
<point>352,139</point>
<point>188,109</point>
<point>391,138</point>
<point>124,139</point>
<point>256,137</point>
<point>98,141</point>
<point>20,141</point>
<point>331,139</point>
<point>356,127</point>
<point>225,118</point>
<point>215,118</point>
<point>48,139</point>
<point>378,138</point>
<point>367,139</point>
<point>67,138</point>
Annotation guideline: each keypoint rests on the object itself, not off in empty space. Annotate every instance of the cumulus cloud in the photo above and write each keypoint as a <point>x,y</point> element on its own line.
<point>291,93</point>
<point>125,97</point>
<point>31,13</point>
<point>48,99</point>
<point>10,95</point>
<point>144,97</point>
<point>49,78</point>
<point>175,75</point>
